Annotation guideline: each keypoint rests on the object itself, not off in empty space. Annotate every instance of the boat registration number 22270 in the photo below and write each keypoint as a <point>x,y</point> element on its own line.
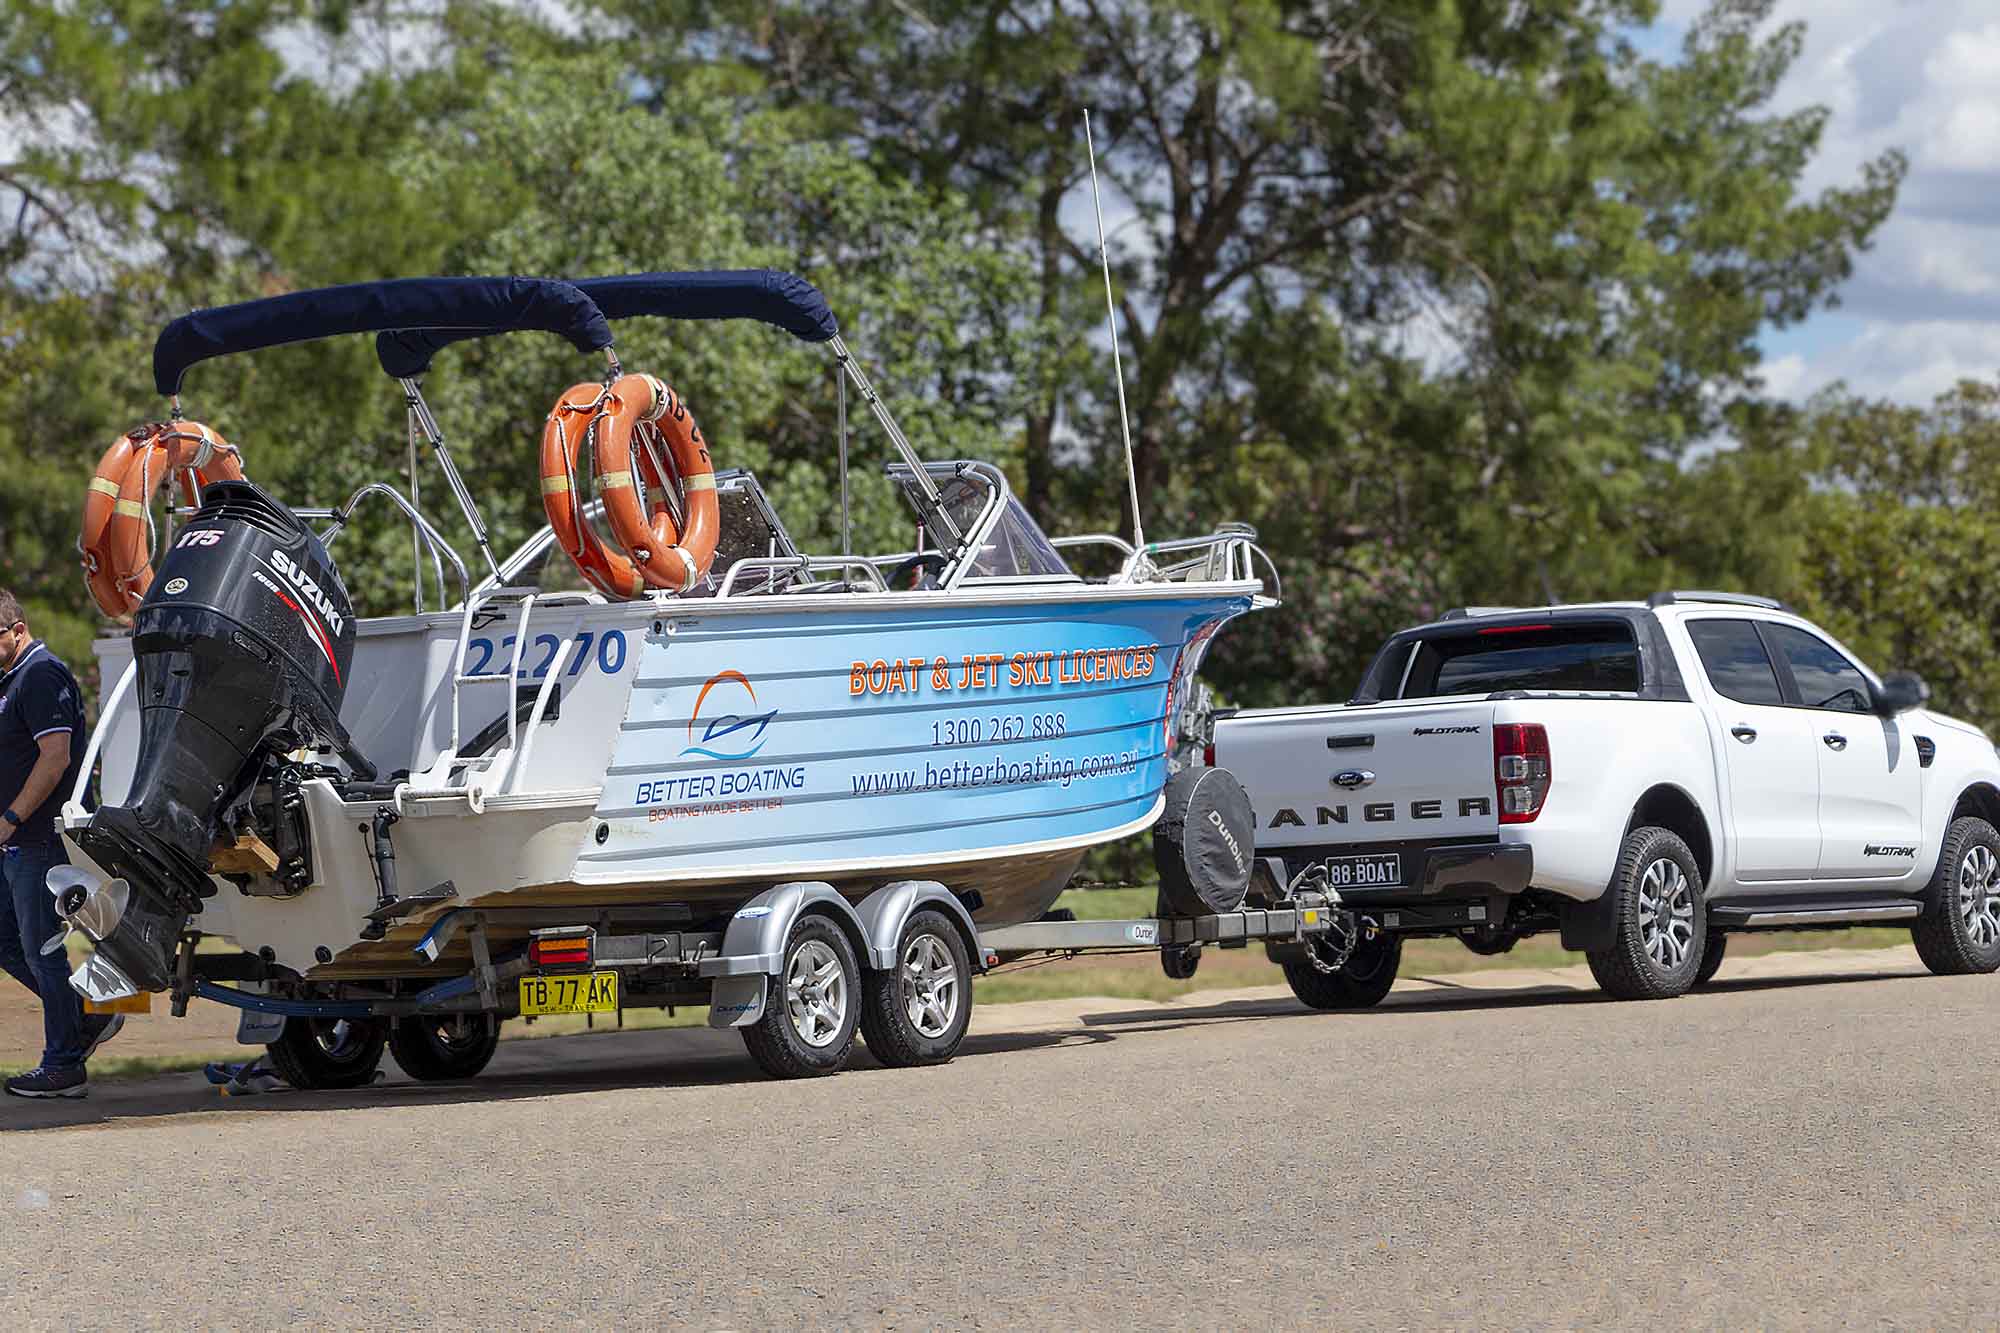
<point>584,993</point>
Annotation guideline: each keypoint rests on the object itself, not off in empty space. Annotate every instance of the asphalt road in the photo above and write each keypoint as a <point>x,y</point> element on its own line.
<point>1780,1150</point>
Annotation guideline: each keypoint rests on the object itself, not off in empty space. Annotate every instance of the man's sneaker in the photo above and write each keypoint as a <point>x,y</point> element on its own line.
<point>49,1083</point>
<point>100,1028</point>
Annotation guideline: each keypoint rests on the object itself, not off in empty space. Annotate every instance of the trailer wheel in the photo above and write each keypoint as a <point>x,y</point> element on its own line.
<point>812,1005</point>
<point>917,1013</point>
<point>1358,983</point>
<point>447,1046</point>
<point>318,1053</point>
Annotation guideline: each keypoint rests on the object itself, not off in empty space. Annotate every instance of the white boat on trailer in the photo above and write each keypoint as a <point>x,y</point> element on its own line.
<point>815,793</point>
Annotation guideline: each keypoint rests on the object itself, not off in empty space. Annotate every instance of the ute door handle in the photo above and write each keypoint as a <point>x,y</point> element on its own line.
<point>1835,741</point>
<point>1744,732</point>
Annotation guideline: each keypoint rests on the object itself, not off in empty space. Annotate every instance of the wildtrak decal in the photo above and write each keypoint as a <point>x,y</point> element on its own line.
<point>1445,731</point>
<point>1888,849</point>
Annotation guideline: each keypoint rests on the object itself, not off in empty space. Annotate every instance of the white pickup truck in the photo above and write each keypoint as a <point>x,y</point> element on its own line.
<point>1645,777</point>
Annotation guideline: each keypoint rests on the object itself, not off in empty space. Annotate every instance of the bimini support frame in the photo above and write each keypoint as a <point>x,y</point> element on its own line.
<point>941,520</point>
<point>426,423</point>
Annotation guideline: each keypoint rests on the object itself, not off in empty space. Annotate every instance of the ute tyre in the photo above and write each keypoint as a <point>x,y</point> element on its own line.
<point>811,1008</point>
<point>1711,957</point>
<point>917,1012</point>
<point>444,1048</point>
<point>1959,932</point>
<point>1661,922</point>
<point>329,1053</point>
<point>1361,981</point>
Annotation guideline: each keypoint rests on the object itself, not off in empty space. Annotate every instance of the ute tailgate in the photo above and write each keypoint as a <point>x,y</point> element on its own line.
<point>1346,777</point>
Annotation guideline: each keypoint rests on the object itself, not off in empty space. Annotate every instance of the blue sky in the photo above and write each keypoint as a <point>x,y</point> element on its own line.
<point>1922,309</point>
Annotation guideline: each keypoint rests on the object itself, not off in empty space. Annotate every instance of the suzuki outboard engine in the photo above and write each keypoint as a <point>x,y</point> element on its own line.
<point>243,645</point>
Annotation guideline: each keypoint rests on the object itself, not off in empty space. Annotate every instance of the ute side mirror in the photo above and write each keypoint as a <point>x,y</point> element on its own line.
<point>1899,692</point>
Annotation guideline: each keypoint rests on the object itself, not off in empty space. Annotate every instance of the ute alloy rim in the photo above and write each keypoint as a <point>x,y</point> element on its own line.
<point>1979,895</point>
<point>930,986</point>
<point>1666,913</point>
<point>816,994</point>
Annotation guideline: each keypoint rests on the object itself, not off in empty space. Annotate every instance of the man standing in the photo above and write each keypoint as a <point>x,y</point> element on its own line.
<point>41,752</point>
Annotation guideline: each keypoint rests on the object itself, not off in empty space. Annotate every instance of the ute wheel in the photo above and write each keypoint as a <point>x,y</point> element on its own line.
<point>916,1013</point>
<point>811,1006</point>
<point>1661,921</point>
<point>440,1047</point>
<point>1361,981</point>
<point>318,1053</point>
<point>1711,957</point>
<point>1959,932</point>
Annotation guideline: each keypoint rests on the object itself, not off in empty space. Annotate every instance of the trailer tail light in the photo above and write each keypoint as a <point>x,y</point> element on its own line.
<point>1521,770</point>
<point>560,948</point>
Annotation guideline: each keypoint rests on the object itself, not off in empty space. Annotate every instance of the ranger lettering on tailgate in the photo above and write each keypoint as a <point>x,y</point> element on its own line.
<point>1382,812</point>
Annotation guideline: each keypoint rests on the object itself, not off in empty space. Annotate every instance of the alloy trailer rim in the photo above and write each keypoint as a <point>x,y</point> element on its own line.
<point>816,994</point>
<point>1666,913</point>
<point>930,986</point>
<point>1979,895</point>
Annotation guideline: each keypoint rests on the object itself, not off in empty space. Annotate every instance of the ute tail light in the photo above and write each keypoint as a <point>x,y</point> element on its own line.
<point>1208,755</point>
<point>1521,770</point>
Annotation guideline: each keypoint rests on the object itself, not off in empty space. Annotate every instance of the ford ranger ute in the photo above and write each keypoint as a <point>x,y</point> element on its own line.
<point>1644,777</point>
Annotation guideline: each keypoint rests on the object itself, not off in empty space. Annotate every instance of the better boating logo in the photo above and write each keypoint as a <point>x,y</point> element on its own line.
<point>728,735</point>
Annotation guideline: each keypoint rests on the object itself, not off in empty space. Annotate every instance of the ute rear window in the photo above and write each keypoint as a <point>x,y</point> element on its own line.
<point>1595,655</point>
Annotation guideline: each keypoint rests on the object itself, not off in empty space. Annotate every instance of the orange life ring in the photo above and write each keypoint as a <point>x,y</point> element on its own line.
<point>639,410</point>
<point>569,421</point>
<point>117,556</point>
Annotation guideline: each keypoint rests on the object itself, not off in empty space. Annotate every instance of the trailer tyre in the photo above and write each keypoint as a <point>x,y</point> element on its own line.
<point>916,1013</point>
<point>1660,922</point>
<point>1359,983</point>
<point>812,1005</point>
<point>324,1053</point>
<point>1959,932</point>
<point>444,1047</point>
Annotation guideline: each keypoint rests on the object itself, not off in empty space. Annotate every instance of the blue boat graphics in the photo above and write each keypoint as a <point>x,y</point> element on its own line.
<point>718,729</point>
<point>896,734</point>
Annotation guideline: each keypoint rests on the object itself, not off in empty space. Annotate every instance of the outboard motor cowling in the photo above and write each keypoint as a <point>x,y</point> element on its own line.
<point>243,646</point>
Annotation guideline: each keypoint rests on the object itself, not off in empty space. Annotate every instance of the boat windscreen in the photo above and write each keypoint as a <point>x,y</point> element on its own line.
<point>1015,548</point>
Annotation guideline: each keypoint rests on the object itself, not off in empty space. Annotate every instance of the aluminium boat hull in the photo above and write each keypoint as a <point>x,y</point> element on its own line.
<point>697,752</point>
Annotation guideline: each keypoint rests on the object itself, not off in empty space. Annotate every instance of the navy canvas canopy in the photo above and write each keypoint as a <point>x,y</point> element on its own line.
<point>470,307</point>
<point>784,300</point>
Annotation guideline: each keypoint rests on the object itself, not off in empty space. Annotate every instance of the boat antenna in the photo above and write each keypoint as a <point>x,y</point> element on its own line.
<point>1117,364</point>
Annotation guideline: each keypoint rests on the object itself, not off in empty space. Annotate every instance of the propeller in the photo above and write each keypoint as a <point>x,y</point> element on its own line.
<point>71,886</point>
<point>85,901</point>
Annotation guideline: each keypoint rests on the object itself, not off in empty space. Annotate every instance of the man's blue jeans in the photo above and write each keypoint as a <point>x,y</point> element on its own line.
<point>27,920</point>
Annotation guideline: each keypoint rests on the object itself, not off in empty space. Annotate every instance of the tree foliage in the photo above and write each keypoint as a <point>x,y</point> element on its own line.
<point>1456,300</point>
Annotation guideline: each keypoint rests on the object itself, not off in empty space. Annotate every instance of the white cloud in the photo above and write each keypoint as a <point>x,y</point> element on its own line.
<point>1922,76</point>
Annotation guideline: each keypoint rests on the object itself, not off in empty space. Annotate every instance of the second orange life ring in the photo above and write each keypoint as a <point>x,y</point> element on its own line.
<point>602,568</point>
<point>669,556</point>
<point>115,540</point>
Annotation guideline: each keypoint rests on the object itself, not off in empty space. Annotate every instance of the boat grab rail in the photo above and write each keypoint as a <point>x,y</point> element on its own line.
<point>801,564</point>
<point>432,540</point>
<point>72,811</point>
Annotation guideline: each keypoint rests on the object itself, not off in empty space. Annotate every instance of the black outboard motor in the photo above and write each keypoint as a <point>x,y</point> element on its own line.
<point>243,645</point>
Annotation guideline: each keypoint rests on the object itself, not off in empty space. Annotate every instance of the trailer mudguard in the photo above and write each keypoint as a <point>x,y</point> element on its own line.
<point>753,947</point>
<point>886,911</point>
